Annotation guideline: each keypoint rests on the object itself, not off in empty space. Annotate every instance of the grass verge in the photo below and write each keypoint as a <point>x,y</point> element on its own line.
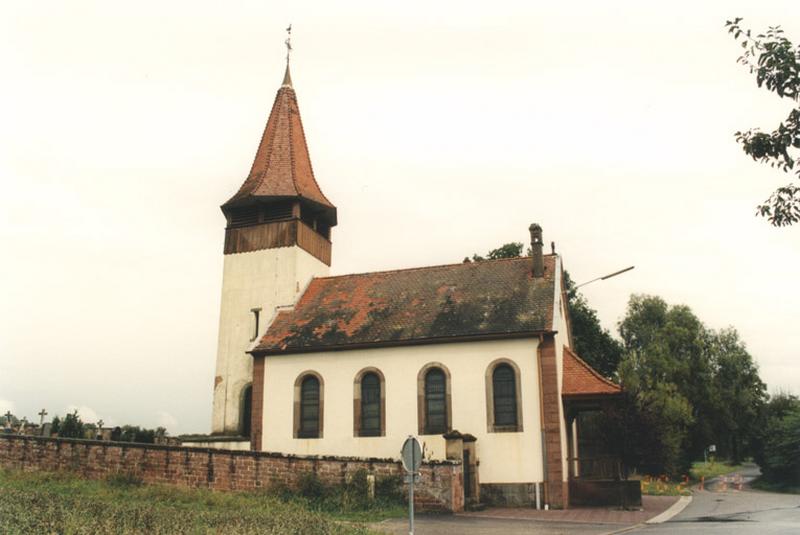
<point>712,469</point>
<point>65,504</point>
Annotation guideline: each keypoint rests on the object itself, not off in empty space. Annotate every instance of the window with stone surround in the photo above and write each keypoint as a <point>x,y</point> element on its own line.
<point>503,397</point>
<point>434,411</point>
<point>369,404</point>
<point>308,405</point>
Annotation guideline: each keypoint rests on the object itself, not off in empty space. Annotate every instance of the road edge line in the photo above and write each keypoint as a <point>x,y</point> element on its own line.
<point>676,508</point>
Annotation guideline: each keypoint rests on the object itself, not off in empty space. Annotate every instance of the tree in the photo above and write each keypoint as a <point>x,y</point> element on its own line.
<point>738,395</point>
<point>508,250</point>
<point>55,425</point>
<point>592,342</point>
<point>692,386</point>
<point>72,426</point>
<point>780,440</point>
<point>776,63</point>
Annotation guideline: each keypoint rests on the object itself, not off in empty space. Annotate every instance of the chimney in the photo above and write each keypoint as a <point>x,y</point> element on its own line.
<point>537,267</point>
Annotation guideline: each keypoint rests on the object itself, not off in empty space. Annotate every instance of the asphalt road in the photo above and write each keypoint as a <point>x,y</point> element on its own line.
<point>719,510</point>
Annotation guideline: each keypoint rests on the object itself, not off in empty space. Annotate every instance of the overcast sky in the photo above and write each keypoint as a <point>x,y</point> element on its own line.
<point>439,129</point>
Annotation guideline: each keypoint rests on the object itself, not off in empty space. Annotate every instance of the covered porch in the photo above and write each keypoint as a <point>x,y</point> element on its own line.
<point>594,476</point>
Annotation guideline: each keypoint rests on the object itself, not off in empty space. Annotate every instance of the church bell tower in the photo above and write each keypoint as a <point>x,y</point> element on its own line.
<point>277,238</point>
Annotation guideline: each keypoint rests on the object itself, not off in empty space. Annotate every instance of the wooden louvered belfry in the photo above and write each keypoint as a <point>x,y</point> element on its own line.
<point>280,203</point>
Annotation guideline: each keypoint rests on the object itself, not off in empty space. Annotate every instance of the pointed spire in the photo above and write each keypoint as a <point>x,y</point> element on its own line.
<point>282,165</point>
<point>287,78</point>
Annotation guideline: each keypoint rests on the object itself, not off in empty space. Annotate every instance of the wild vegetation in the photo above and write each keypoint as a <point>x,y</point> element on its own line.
<point>33,503</point>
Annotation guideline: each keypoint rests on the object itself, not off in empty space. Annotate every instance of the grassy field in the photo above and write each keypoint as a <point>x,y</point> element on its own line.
<point>712,469</point>
<point>63,504</point>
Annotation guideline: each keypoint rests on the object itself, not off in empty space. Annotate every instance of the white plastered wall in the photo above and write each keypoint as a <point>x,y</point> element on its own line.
<point>264,279</point>
<point>504,457</point>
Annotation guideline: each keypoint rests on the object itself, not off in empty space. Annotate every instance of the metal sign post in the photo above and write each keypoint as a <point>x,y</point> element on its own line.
<point>411,454</point>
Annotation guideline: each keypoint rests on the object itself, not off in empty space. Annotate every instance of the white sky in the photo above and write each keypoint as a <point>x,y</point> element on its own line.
<point>439,129</point>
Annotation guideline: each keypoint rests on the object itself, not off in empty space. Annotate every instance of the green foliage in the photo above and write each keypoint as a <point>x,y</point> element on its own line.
<point>712,468</point>
<point>350,498</point>
<point>134,433</point>
<point>310,486</point>
<point>62,503</point>
<point>780,441</point>
<point>688,387</point>
<point>55,425</point>
<point>508,250</point>
<point>72,426</point>
<point>776,63</point>
<point>124,479</point>
<point>389,489</point>
<point>592,342</point>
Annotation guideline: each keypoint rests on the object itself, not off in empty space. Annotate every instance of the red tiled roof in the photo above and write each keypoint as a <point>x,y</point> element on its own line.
<point>282,166</point>
<point>430,304</point>
<point>580,379</point>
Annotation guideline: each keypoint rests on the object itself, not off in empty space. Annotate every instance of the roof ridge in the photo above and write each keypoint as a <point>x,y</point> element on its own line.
<point>310,163</point>
<point>270,143</point>
<point>420,268</point>
<point>292,160</point>
<point>591,370</point>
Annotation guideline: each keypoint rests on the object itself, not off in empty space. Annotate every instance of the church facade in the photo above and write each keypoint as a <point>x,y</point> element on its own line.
<point>473,358</point>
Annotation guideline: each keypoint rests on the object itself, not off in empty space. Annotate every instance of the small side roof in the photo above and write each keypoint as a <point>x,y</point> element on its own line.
<point>580,379</point>
<point>488,299</point>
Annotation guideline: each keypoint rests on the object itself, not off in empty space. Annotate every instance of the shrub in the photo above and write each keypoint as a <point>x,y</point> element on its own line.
<point>389,489</point>
<point>310,486</point>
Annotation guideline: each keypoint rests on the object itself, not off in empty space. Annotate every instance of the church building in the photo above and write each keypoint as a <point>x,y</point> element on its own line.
<point>473,358</point>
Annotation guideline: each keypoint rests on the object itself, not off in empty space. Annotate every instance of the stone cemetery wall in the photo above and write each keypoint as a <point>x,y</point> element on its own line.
<point>440,487</point>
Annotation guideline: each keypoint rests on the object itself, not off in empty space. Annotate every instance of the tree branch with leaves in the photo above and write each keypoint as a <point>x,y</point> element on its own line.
<point>776,63</point>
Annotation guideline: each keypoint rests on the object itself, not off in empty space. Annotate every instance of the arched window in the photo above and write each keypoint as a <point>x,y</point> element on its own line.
<point>247,410</point>
<point>435,402</point>
<point>505,396</point>
<point>503,402</point>
<point>310,413</point>
<point>370,405</point>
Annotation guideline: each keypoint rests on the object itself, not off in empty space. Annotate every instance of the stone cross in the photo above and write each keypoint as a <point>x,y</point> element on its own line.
<point>100,424</point>
<point>8,416</point>
<point>41,416</point>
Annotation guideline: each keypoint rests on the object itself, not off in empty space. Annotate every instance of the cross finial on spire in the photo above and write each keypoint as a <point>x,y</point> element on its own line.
<point>288,43</point>
<point>287,78</point>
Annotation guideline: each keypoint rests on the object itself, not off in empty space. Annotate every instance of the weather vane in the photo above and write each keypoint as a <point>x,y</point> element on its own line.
<point>288,43</point>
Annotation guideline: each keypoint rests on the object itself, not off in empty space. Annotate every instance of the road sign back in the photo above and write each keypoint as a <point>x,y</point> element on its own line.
<point>411,454</point>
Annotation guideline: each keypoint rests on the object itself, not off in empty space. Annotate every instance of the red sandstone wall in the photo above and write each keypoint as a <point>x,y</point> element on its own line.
<point>557,491</point>
<point>440,487</point>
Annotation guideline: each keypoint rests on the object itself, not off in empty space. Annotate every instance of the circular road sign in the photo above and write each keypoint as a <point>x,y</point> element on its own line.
<point>411,454</point>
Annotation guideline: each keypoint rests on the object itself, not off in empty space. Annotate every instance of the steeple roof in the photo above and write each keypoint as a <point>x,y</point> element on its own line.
<point>282,166</point>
